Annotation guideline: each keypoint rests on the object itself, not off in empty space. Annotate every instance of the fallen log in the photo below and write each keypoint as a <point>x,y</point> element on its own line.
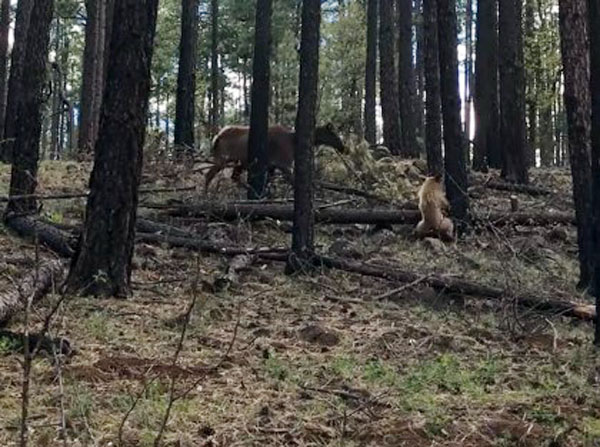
<point>203,246</point>
<point>532,190</point>
<point>380,216</point>
<point>453,286</point>
<point>46,234</point>
<point>34,286</point>
<point>83,195</point>
<point>149,226</point>
<point>448,285</point>
<point>141,225</point>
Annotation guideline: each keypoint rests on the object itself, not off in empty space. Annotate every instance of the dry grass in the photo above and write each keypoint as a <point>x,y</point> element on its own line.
<point>314,361</point>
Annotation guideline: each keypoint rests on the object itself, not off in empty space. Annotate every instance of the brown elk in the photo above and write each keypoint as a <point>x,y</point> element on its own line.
<point>231,146</point>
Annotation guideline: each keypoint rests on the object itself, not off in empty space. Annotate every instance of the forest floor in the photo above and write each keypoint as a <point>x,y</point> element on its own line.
<point>278,360</point>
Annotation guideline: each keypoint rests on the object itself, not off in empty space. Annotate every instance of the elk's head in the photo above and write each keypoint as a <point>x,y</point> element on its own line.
<point>328,136</point>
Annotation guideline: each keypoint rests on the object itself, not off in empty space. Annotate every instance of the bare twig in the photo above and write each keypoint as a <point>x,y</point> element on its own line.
<point>134,405</point>
<point>396,291</point>
<point>172,398</point>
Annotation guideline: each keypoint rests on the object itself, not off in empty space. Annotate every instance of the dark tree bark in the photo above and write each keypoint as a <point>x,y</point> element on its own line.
<point>513,132</point>
<point>371,73</point>
<point>420,73</point>
<point>109,15</point>
<point>388,80</point>
<point>531,97</point>
<point>486,151</point>
<point>185,102</point>
<point>102,264</point>
<point>214,67</point>
<point>56,111</point>
<point>549,133</point>
<point>594,30</point>
<point>468,86</point>
<point>259,112</point>
<point>575,57</point>
<point>433,117</point>
<point>406,80</point>
<point>4,29</point>
<point>17,60</point>
<point>304,217</point>
<point>23,179</point>
<point>456,170</point>
<point>90,71</point>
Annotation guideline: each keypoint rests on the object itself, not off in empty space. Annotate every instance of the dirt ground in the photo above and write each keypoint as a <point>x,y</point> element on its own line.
<point>316,360</point>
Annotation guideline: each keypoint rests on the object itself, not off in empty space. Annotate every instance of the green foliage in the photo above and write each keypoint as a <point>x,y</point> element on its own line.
<point>342,68</point>
<point>8,345</point>
<point>542,54</point>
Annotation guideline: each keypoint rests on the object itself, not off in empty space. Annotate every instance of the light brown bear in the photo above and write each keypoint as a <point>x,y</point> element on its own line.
<point>434,206</point>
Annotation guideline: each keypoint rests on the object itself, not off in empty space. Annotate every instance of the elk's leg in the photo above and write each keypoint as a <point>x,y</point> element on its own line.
<point>237,173</point>
<point>210,175</point>
<point>287,174</point>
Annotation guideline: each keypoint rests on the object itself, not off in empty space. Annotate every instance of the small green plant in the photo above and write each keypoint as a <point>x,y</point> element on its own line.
<point>56,217</point>
<point>81,401</point>
<point>343,366</point>
<point>8,345</point>
<point>376,371</point>
<point>275,368</point>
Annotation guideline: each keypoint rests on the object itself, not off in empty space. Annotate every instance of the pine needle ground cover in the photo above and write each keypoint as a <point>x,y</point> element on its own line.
<point>318,359</point>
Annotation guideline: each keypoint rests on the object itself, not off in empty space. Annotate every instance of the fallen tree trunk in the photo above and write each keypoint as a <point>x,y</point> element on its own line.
<point>83,195</point>
<point>34,286</point>
<point>447,285</point>
<point>56,240</point>
<point>516,187</point>
<point>202,245</point>
<point>149,226</point>
<point>381,216</point>
<point>453,285</point>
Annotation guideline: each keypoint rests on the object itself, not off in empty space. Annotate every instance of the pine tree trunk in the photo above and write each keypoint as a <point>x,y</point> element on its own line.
<point>214,68</point>
<point>546,135</point>
<point>406,80</point>
<point>575,58</point>
<point>259,112</point>
<point>420,74</point>
<point>109,15</point>
<point>468,76</point>
<point>594,30</point>
<point>371,73</point>
<point>512,93</point>
<point>185,102</point>
<point>55,111</point>
<point>17,60</point>
<point>23,180</point>
<point>4,29</point>
<point>433,117</point>
<point>388,80</point>
<point>456,170</point>
<point>486,151</point>
<point>102,264</point>
<point>304,217</point>
<point>99,64</point>
<point>88,80</point>
<point>531,96</point>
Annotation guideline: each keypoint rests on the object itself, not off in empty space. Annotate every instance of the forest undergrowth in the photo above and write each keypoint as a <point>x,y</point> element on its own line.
<point>330,358</point>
